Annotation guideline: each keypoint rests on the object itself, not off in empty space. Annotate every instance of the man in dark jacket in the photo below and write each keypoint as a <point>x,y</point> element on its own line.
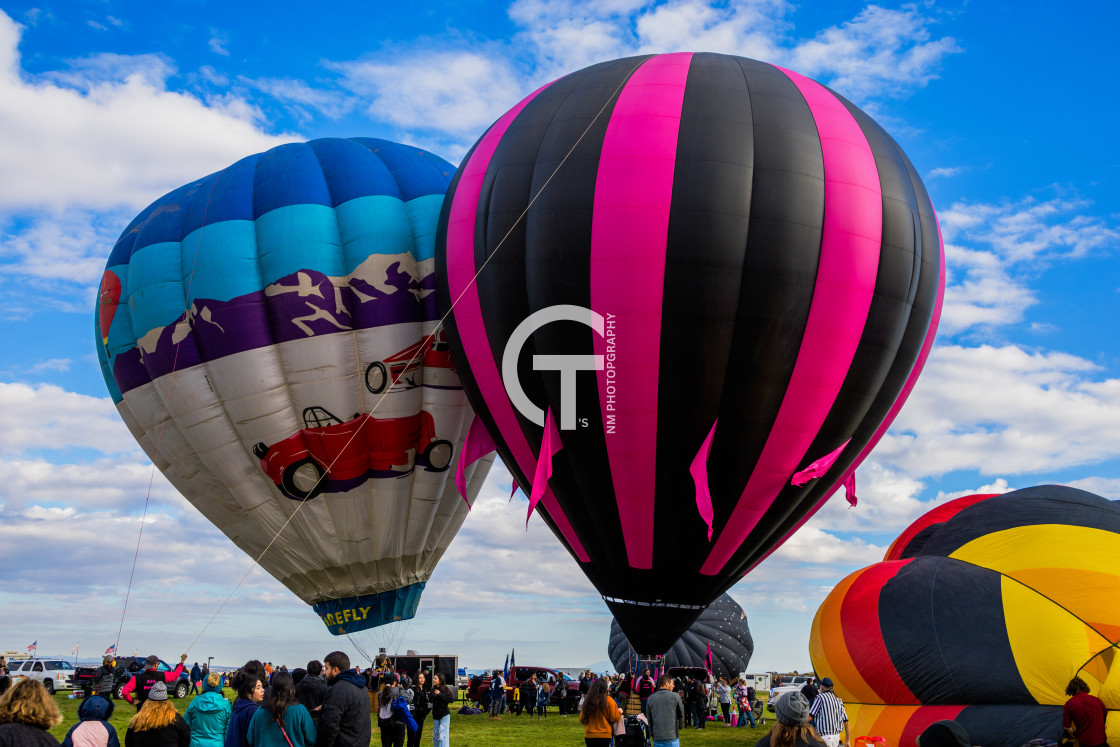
<point>312,691</point>
<point>105,677</point>
<point>346,712</point>
<point>142,683</point>
<point>196,678</point>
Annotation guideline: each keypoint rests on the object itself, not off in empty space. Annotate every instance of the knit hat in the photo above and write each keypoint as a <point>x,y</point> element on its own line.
<point>944,734</point>
<point>792,709</point>
<point>212,683</point>
<point>158,692</point>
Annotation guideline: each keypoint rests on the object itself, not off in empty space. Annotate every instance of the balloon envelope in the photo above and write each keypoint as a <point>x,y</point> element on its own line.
<point>985,619</point>
<point>264,333</point>
<point>707,273</point>
<point>723,626</point>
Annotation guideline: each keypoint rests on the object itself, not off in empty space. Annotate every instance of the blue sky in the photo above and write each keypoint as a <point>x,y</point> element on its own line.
<point>1006,109</point>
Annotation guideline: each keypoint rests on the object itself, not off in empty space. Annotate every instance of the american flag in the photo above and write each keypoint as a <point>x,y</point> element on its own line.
<point>111,650</point>
<point>33,646</point>
<point>75,649</point>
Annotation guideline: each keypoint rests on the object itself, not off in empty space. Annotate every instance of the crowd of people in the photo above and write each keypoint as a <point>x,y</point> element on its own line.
<point>323,705</point>
<point>330,704</point>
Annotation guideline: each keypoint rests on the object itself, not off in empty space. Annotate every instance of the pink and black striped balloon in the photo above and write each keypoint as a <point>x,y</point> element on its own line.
<point>657,250</point>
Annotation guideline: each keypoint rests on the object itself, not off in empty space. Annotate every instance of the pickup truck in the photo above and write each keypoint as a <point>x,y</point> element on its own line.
<point>479,687</point>
<point>125,668</point>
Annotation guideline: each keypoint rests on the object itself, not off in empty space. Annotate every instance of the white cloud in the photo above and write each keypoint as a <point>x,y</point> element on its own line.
<point>57,365</point>
<point>880,52</point>
<point>71,247</point>
<point>945,171</point>
<point>300,98</point>
<point>49,417</point>
<point>1031,229</point>
<point>992,252</point>
<point>218,42</point>
<point>1004,411</point>
<point>109,132</point>
<point>450,92</point>
<point>461,87</point>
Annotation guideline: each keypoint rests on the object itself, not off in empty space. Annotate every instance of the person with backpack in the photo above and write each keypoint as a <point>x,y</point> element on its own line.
<point>208,715</point>
<point>281,720</point>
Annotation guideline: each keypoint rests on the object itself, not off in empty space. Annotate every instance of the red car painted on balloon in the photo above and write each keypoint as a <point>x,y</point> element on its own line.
<point>429,358</point>
<point>331,454</point>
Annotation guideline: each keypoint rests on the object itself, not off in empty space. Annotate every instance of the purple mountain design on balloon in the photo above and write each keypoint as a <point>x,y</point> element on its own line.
<point>307,303</point>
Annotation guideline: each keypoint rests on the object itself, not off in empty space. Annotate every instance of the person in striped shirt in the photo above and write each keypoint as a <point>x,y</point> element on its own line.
<point>828,716</point>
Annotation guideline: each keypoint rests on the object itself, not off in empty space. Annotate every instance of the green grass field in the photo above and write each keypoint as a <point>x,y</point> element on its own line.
<point>466,731</point>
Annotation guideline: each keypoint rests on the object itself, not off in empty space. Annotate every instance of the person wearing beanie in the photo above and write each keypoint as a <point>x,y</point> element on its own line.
<point>93,728</point>
<point>158,723</point>
<point>944,733</point>
<point>208,715</point>
<point>792,728</point>
<point>829,717</point>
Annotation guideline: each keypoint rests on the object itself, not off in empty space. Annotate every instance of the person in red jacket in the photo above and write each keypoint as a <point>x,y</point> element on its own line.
<point>1085,712</point>
<point>142,682</point>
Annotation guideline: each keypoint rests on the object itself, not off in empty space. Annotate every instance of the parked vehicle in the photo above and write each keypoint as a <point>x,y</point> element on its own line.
<point>445,665</point>
<point>479,688</point>
<point>789,684</point>
<point>55,674</point>
<point>125,667</point>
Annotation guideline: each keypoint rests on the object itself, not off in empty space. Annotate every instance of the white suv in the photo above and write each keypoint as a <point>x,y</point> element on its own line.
<point>55,674</point>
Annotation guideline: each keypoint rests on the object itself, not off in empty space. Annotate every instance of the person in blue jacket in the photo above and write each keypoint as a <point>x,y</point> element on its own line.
<point>250,693</point>
<point>208,714</point>
<point>93,728</point>
<point>282,721</point>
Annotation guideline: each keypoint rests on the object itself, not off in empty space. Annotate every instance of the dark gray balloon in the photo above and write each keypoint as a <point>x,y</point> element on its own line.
<point>724,623</point>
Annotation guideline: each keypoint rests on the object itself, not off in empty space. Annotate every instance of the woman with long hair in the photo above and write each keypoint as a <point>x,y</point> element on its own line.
<point>421,707</point>
<point>250,693</point>
<point>388,721</point>
<point>599,715</point>
<point>441,712</point>
<point>26,714</point>
<point>792,727</point>
<point>157,723</point>
<point>281,721</point>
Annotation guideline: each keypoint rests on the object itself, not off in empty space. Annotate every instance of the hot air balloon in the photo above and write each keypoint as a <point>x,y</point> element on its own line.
<point>268,334</point>
<point>721,629</point>
<point>982,612</point>
<point>676,283</point>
